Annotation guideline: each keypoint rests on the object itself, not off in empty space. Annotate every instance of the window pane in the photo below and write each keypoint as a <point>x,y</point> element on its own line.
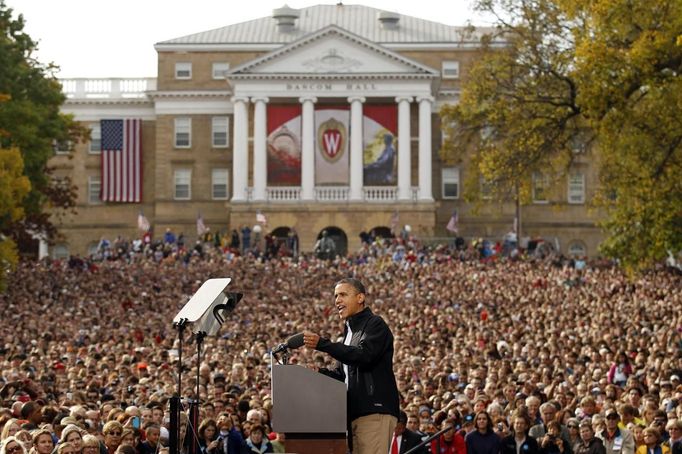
<point>219,131</point>
<point>450,69</point>
<point>183,132</point>
<point>183,182</point>
<point>94,186</point>
<point>220,69</point>
<point>219,183</point>
<point>95,139</point>
<point>450,182</point>
<point>183,70</point>
<point>576,188</point>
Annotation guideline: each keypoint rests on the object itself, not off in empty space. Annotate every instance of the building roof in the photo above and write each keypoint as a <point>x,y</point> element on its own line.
<point>358,19</point>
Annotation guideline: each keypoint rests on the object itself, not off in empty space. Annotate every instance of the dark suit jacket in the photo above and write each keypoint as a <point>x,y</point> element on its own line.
<point>409,441</point>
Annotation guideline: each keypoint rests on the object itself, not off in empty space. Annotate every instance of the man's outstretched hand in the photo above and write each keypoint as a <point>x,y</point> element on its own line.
<point>310,340</point>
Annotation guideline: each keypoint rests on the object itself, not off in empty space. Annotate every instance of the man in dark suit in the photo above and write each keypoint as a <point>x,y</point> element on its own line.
<point>404,439</point>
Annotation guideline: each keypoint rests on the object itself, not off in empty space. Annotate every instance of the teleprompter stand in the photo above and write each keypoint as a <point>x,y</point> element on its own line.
<point>206,311</point>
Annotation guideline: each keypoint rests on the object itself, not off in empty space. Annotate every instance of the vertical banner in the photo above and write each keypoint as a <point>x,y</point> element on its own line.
<point>379,159</point>
<point>284,145</point>
<point>331,154</point>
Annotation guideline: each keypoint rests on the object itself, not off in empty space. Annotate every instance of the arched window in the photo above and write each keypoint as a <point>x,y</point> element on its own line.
<point>577,249</point>
<point>60,251</point>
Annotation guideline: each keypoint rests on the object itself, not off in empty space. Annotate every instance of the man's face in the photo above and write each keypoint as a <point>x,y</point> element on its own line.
<point>548,414</point>
<point>399,429</point>
<point>157,415</point>
<point>612,421</point>
<point>413,423</point>
<point>348,301</point>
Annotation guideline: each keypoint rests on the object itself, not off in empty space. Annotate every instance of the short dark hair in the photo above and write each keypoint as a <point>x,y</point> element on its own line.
<point>403,417</point>
<point>355,283</point>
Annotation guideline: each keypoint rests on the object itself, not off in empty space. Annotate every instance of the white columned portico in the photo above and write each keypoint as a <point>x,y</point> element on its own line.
<point>356,175</point>
<point>425,103</point>
<point>240,150</point>
<point>308,148</point>
<point>259,148</point>
<point>404,148</point>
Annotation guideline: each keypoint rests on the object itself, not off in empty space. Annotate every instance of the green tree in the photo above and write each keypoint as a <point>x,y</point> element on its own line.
<point>14,187</point>
<point>31,121</point>
<point>576,72</point>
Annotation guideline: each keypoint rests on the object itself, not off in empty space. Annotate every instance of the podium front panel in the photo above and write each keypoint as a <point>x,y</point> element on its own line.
<point>305,401</point>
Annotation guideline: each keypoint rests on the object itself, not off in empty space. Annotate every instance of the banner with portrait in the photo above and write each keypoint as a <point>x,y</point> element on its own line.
<point>332,150</point>
<point>380,145</point>
<point>284,145</point>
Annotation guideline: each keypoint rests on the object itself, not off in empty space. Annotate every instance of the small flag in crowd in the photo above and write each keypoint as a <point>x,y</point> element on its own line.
<point>121,160</point>
<point>261,219</point>
<point>394,222</point>
<point>201,227</point>
<point>143,222</point>
<point>452,223</point>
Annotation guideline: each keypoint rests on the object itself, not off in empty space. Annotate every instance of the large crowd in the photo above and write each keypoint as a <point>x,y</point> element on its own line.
<point>89,354</point>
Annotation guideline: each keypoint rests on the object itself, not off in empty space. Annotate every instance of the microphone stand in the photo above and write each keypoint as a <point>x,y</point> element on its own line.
<point>428,440</point>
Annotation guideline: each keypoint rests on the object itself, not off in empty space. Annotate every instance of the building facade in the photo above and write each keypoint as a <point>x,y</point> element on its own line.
<point>324,118</point>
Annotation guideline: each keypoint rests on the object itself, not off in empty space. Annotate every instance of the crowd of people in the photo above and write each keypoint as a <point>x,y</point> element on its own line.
<point>517,356</point>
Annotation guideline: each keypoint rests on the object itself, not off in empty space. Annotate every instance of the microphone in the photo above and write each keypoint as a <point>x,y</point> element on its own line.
<point>292,343</point>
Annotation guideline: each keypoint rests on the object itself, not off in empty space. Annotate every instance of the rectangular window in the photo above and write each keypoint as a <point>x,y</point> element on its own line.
<point>450,70</point>
<point>94,187</point>
<point>95,139</point>
<point>220,70</point>
<point>183,132</point>
<point>62,146</point>
<point>576,188</point>
<point>182,184</point>
<point>450,182</point>
<point>219,132</point>
<point>540,185</point>
<point>183,70</point>
<point>486,188</point>
<point>219,184</point>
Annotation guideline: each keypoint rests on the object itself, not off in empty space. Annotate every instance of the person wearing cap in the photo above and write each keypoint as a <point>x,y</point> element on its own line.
<point>365,364</point>
<point>589,444</point>
<point>615,439</point>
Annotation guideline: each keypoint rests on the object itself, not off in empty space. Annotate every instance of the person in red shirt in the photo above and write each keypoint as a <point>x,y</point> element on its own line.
<point>450,442</point>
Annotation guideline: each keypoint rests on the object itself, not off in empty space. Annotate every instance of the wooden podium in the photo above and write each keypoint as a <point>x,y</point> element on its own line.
<point>310,409</point>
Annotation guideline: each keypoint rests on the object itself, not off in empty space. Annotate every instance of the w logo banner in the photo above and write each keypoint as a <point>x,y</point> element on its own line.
<point>332,139</point>
<point>332,151</point>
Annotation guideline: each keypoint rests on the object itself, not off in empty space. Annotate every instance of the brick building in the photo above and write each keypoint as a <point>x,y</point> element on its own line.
<point>320,118</point>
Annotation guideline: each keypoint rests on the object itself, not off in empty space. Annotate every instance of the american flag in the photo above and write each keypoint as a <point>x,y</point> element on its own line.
<point>143,222</point>
<point>452,223</point>
<point>121,160</point>
<point>201,227</point>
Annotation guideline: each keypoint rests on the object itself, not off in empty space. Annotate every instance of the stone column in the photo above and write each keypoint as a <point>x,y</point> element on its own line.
<point>425,103</point>
<point>260,172</point>
<point>308,148</point>
<point>240,149</point>
<point>404,148</point>
<point>356,175</point>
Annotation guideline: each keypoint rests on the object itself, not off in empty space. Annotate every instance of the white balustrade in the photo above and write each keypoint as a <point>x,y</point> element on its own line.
<point>332,193</point>
<point>283,193</point>
<point>112,88</point>
<point>380,193</point>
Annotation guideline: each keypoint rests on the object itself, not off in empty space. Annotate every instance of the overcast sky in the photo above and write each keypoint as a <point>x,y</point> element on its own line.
<point>94,38</point>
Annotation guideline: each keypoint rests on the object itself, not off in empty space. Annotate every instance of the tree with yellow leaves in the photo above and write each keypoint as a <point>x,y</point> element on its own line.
<point>14,187</point>
<point>576,72</point>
